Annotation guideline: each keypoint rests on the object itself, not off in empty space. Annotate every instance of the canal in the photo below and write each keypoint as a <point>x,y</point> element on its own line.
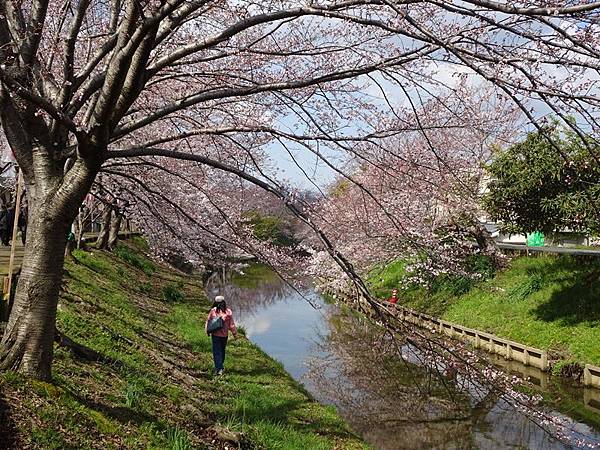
<point>392,403</point>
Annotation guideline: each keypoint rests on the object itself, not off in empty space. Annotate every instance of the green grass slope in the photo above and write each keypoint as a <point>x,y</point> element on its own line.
<point>134,371</point>
<point>549,302</point>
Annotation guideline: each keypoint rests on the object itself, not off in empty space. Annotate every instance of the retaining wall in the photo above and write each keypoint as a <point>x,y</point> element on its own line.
<point>510,350</point>
<point>591,399</point>
<point>591,376</point>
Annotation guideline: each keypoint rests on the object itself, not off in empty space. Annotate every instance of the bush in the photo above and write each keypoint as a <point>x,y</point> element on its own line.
<point>272,229</point>
<point>179,262</point>
<point>455,285</point>
<point>531,285</point>
<point>133,395</point>
<point>172,293</point>
<point>482,266</point>
<point>134,259</point>
<point>479,268</point>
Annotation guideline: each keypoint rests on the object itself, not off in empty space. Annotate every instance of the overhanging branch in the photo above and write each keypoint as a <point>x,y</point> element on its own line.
<point>274,190</point>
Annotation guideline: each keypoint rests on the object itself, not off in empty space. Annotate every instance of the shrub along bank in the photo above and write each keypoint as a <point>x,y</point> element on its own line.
<point>548,302</point>
<point>134,370</point>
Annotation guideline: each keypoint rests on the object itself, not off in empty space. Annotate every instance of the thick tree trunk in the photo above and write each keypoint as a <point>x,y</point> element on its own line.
<point>102,241</point>
<point>79,227</point>
<point>27,344</point>
<point>54,198</point>
<point>115,227</point>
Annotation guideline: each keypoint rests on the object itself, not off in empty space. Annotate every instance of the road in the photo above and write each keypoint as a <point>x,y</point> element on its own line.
<point>553,250</point>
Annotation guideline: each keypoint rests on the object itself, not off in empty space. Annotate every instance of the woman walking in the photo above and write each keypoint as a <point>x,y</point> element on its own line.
<point>219,314</point>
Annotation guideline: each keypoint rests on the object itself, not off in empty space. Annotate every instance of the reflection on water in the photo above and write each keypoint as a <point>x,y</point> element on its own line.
<point>391,402</point>
<point>412,408</point>
<point>277,318</point>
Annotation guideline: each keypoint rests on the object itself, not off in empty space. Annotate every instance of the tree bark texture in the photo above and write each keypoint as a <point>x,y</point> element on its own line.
<point>27,343</point>
<point>115,227</point>
<point>102,241</point>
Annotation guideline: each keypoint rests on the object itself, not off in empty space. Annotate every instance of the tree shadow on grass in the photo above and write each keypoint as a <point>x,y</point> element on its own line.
<point>9,438</point>
<point>285,414</point>
<point>258,404</point>
<point>85,279</point>
<point>95,296</point>
<point>577,300</point>
<point>253,372</point>
<point>254,376</point>
<point>121,414</point>
<point>84,352</point>
<point>8,429</point>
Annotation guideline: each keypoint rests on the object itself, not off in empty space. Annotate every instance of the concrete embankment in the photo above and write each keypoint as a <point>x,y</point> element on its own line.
<point>545,302</point>
<point>529,362</point>
<point>509,350</point>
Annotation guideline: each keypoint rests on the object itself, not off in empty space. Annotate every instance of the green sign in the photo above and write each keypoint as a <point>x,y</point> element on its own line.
<point>535,239</point>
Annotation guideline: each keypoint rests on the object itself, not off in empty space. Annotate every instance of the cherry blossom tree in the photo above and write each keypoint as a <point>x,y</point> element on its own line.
<point>188,208</point>
<point>418,197</point>
<point>87,83</point>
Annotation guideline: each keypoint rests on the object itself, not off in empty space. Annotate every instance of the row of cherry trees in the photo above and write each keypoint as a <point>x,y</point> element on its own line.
<point>128,86</point>
<point>416,195</point>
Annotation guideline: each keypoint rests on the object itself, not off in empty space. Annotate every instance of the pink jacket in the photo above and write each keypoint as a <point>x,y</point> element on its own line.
<point>227,318</point>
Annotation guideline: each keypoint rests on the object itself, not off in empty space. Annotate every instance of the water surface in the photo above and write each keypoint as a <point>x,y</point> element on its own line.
<point>392,403</point>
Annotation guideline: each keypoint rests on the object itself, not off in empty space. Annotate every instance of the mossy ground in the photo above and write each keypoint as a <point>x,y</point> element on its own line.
<point>153,387</point>
<point>548,302</point>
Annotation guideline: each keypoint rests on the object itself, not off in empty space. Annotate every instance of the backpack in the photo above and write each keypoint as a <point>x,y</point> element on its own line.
<point>215,324</point>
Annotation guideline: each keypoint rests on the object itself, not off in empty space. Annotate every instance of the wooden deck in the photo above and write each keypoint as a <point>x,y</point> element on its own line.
<point>5,251</point>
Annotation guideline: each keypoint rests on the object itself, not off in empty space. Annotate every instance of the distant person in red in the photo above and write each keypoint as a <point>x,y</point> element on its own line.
<point>219,336</point>
<point>394,298</point>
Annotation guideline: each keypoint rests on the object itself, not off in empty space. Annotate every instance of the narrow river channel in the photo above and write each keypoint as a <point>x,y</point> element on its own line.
<point>392,404</point>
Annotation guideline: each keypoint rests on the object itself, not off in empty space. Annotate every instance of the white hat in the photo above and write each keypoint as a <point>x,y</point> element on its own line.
<point>219,298</point>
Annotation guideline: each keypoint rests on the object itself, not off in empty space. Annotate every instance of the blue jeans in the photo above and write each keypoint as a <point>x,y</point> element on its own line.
<point>218,348</point>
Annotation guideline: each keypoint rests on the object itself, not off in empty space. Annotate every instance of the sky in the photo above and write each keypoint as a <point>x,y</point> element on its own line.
<point>314,171</point>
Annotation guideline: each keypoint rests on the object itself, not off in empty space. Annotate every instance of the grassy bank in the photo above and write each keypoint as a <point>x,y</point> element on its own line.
<point>134,370</point>
<point>549,302</point>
